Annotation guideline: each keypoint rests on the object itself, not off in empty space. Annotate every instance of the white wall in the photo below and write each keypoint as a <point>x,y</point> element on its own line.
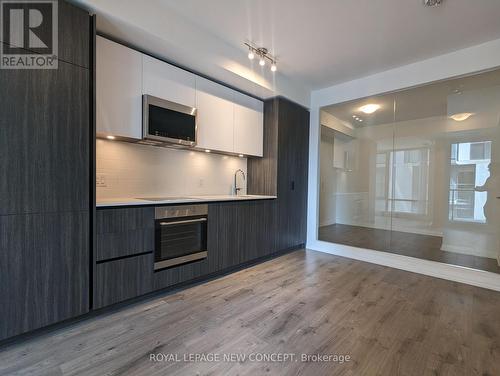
<point>134,170</point>
<point>474,59</point>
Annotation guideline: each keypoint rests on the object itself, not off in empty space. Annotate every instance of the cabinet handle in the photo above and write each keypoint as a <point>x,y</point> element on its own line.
<point>292,185</point>
<point>181,222</point>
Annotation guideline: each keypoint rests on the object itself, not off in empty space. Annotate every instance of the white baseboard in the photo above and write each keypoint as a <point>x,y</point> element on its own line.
<point>328,222</point>
<point>450,272</point>
<point>390,227</point>
<point>464,250</point>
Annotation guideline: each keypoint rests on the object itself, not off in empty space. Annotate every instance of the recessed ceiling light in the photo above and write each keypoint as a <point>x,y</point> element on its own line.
<point>461,116</point>
<point>360,119</point>
<point>354,116</point>
<point>369,108</point>
<point>110,137</point>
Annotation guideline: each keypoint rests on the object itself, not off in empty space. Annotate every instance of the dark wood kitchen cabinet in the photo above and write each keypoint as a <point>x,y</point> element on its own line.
<point>44,140</point>
<point>45,199</point>
<point>124,254</point>
<point>283,169</point>
<point>243,231</point>
<point>293,161</point>
<point>43,269</point>
<point>125,257</point>
<point>74,40</point>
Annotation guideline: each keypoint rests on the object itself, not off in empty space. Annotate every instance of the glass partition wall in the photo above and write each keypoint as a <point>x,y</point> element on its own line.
<point>416,172</point>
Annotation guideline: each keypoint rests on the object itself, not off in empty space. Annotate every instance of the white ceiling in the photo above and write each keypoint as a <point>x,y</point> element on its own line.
<point>318,42</point>
<point>324,42</point>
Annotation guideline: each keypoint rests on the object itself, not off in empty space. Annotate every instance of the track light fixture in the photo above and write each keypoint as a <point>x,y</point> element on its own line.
<point>263,55</point>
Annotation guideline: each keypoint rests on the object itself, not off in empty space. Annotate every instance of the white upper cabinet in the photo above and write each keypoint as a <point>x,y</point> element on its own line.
<point>227,121</point>
<point>248,125</point>
<point>118,90</point>
<point>214,116</point>
<point>165,81</point>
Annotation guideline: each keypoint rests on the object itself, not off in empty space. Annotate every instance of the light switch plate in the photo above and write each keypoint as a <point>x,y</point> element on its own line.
<point>100,180</point>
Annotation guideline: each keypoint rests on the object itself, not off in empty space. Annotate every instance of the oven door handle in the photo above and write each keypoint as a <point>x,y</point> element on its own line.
<point>182,222</point>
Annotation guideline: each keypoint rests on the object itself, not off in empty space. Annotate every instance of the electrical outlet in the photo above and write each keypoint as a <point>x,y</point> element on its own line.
<point>201,183</point>
<point>100,180</point>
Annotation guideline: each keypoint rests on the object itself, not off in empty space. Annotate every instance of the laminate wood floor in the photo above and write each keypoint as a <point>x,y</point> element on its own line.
<point>389,322</point>
<point>425,247</point>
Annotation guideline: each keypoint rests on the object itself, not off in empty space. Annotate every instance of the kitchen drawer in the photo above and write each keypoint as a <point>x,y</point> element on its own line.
<point>124,219</point>
<point>124,232</point>
<point>124,243</point>
<point>119,280</point>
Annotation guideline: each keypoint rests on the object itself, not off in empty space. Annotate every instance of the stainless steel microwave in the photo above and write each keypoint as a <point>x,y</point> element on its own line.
<point>168,122</point>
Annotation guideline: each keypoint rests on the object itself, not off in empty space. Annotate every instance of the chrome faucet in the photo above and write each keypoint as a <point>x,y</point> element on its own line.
<point>236,189</point>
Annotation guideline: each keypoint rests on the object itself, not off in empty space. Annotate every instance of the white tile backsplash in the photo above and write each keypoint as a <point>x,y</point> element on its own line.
<point>134,170</point>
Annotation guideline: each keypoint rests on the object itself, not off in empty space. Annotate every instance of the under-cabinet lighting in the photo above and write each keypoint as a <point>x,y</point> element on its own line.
<point>110,137</point>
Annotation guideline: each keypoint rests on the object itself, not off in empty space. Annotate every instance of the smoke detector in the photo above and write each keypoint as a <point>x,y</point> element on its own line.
<point>432,3</point>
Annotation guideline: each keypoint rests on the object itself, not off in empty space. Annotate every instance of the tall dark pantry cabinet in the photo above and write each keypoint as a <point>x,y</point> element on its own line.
<point>282,172</point>
<point>45,179</point>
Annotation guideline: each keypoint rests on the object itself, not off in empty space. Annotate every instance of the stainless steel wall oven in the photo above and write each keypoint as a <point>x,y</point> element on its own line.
<point>180,235</point>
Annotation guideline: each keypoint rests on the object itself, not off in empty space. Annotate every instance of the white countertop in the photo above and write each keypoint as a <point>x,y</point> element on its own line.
<point>133,201</point>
